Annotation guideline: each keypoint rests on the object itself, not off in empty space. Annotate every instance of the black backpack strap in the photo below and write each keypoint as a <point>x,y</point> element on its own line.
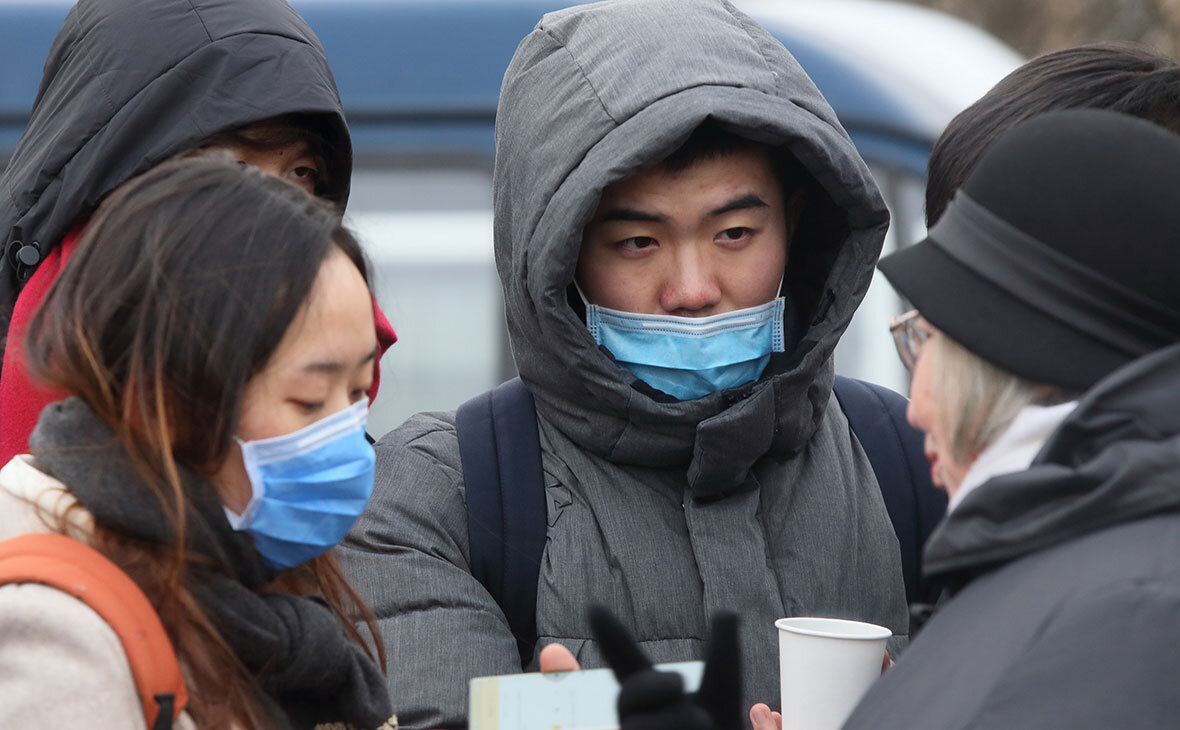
<point>506,520</point>
<point>895,450</point>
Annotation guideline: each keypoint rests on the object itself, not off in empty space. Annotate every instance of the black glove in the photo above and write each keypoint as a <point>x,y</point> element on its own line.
<point>654,700</point>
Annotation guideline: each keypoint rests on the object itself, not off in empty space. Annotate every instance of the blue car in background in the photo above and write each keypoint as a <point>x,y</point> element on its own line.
<point>419,80</point>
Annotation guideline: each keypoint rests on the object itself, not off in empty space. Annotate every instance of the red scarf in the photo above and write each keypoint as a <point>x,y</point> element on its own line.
<point>22,398</point>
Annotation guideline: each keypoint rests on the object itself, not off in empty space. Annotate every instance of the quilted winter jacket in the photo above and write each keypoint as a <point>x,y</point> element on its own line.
<point>756,499</point>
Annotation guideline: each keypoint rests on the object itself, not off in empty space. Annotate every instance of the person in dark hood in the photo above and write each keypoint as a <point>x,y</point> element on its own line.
<point>128,84</point>
<point>1045,351</point>
<point>656,162</point>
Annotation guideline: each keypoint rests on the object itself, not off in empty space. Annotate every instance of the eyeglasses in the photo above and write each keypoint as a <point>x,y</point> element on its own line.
<point>908,337</point>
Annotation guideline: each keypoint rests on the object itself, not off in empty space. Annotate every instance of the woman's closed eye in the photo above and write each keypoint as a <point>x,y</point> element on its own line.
<point>309,408</point>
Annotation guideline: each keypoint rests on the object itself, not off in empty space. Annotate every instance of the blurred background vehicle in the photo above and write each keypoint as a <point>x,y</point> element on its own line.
<point>419,80</point>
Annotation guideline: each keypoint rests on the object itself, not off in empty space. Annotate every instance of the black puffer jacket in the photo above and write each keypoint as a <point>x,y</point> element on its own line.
<point>1067,608</point>
<point>129,83</point>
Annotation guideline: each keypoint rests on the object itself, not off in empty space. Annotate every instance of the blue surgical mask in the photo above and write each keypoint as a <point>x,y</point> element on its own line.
<point>691,357</point>
<point>310,487</point>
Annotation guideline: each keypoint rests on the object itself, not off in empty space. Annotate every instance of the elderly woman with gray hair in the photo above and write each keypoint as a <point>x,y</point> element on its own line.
<point>1046,375</point>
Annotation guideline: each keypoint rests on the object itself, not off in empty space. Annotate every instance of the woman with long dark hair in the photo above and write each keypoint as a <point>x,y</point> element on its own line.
<point>215,333</point>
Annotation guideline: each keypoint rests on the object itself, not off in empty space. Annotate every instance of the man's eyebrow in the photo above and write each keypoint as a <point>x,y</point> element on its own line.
<point>331,367</point>
<point>631,214</point>
<point>750,200</point>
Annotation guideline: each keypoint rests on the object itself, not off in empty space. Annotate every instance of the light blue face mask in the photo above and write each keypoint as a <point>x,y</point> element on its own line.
<point>310,487</point>
<point>691,357</point>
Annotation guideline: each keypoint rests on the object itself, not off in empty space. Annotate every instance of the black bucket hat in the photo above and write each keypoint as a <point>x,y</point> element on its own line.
<point>1059,259</point>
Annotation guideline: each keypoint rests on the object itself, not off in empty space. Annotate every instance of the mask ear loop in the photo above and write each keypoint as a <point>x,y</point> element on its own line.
<point>579,304</point>
<point>582,294</point>
<point>591,314</point>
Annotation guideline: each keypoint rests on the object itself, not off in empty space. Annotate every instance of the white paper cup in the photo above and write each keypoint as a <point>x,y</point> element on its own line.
<point>825,666</point>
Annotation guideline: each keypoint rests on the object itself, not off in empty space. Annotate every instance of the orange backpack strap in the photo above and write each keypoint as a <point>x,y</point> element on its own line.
<point>89,576</point>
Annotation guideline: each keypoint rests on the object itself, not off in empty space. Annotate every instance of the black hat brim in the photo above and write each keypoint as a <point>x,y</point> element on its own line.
<point>993,324</point>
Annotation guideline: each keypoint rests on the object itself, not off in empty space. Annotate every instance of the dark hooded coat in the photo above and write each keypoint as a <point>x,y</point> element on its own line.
<point>129,83</point>
<point>1065,610</point>
<point>756,499</point>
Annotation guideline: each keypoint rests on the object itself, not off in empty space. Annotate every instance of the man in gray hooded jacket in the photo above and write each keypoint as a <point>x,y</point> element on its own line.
<point>754,498</point>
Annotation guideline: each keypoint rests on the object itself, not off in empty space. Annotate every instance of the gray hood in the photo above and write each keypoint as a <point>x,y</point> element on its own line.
<point>129,83</point>
<point>595,94</point>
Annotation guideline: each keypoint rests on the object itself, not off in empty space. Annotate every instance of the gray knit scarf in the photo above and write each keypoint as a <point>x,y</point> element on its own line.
<point>310,671</point>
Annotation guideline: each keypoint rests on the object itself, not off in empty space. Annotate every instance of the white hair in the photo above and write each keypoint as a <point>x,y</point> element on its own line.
<point>977,400</point>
